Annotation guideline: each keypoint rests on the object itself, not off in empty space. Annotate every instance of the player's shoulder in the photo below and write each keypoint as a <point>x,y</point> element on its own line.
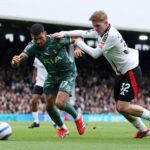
<point>31,45</point>
<point>113,33</point>
<point>110,35</point>
<point>50,38</point>
<point>62,41</point>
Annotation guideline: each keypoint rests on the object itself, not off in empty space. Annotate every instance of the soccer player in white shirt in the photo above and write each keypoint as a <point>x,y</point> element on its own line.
<point>39,77</point>
<point>123,60</point>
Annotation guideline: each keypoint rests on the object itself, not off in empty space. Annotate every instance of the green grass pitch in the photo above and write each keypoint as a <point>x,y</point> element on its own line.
<point>98,136</point>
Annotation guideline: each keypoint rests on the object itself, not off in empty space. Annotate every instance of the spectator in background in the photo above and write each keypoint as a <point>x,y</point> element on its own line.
<point>21,82</point>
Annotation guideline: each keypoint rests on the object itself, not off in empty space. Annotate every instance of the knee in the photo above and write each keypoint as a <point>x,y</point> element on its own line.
<point>61,100</point>
<point>60,104</point>
<point>35,100</point>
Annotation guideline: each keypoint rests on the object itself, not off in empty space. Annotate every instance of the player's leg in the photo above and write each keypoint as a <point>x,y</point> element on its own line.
<point>51,90</point>
<point>132,109</point>
<point>127,89</point>
<point>131,114</point>
<point>138,123</point>
<point>135,121</point>
<point>62,102</point>
<point>55,115</point>
<point>36,95</point>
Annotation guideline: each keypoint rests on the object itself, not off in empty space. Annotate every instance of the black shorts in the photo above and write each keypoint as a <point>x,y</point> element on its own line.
<point>127,85</point>
<point>37,90</point>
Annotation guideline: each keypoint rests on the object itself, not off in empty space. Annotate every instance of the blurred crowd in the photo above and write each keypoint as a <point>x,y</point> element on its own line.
<point>93,91</point>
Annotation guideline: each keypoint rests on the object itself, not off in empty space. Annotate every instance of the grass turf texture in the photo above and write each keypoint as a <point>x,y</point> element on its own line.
<point>98,136</point>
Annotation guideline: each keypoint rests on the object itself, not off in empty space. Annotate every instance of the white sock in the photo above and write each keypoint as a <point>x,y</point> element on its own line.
<point>78,117</point>
<point>139,125</point>
<point>146,114</point>
<point>64,126</point>
<point>35,116</point>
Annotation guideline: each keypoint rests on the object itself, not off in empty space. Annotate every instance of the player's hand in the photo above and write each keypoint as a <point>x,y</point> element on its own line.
<point>15,61</point>
<point>78,52</point>
<point>77,40</point>
<point>58,35</point>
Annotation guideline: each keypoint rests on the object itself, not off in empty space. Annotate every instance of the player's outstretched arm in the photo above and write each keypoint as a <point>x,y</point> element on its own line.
<point>57,35</point>
<point>93,52</point>
<point>17,59</point>
<point>73,33</point>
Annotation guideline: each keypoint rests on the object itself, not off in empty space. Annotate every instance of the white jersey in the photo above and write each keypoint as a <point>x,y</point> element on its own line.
<point>71,54</point>
<point>112,46</point>
<point>41,72</point>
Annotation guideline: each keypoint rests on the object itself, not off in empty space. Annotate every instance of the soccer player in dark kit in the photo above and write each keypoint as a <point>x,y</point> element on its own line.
<point>61,75</point>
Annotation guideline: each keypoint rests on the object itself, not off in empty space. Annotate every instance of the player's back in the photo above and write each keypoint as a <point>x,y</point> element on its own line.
<point>116,51</point>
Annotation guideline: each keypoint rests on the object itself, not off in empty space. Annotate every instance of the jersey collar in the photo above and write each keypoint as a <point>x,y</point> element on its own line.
<point>108,28</point>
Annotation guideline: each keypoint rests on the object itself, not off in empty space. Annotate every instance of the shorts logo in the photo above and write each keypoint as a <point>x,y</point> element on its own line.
<point>124,88</point>
<point>65,85</point>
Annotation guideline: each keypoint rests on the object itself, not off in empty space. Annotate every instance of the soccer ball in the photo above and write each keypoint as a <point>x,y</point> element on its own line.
<point>5,131</point>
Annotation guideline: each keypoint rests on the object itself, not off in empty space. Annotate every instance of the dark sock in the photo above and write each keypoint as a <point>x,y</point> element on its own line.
<point>71,110</point>
<point>55,116</point>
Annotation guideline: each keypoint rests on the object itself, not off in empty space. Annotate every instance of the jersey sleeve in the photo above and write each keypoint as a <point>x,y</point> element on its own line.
<point>106,43</point>
<point>29,50</point>
<point>81,33</point>
<point>65,41</point>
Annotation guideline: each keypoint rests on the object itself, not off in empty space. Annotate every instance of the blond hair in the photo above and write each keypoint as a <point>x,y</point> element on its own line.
<point>98,16</point>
